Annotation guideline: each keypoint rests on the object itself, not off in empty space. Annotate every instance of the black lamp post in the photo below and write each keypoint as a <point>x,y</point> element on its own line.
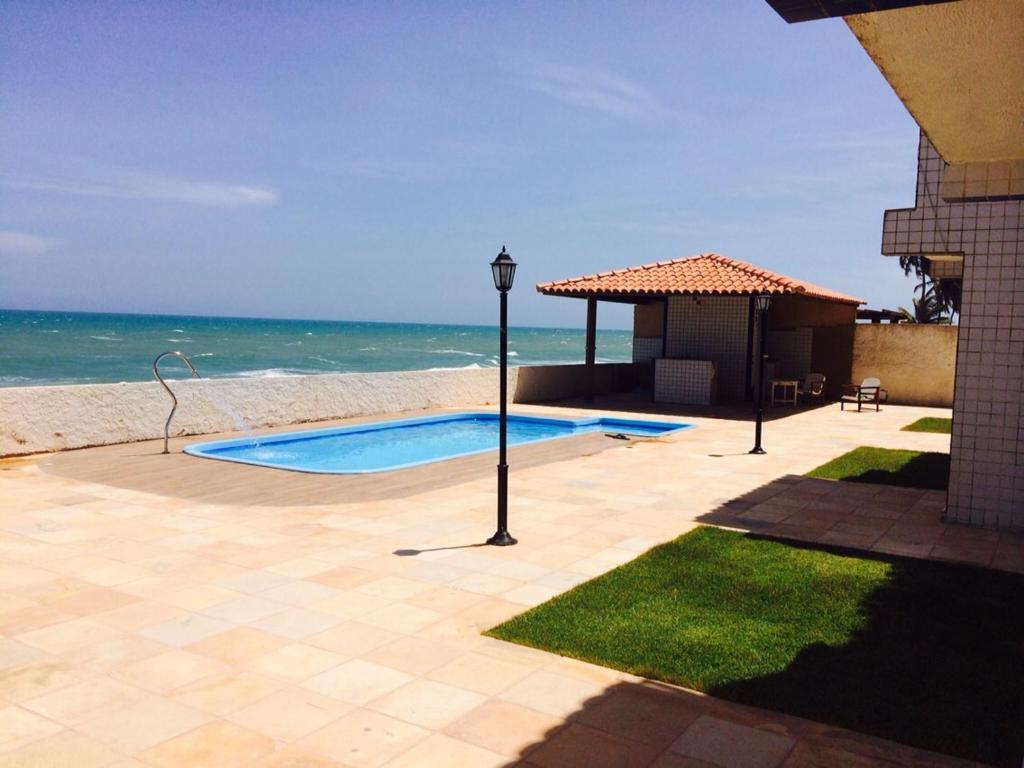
<point>504,271</point>
<point>761,303</point>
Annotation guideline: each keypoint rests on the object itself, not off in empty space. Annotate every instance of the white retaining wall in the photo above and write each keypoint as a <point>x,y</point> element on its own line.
<point>41,419</point>
<point>38,419</point>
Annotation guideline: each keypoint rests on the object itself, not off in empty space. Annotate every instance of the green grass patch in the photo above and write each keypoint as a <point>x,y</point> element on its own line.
<point>931,424</point>
<point>888,466</point>
<point>920,652</point>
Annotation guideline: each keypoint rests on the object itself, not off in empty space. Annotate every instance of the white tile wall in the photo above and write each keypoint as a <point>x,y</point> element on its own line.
<point>646,348</point>
<point>691,382</point>
<point>986,484</point>
<point>712,328</point>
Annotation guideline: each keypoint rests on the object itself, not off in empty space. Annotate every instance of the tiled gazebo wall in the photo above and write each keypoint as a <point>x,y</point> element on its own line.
<point>986,484</point>
<point>712,328</point>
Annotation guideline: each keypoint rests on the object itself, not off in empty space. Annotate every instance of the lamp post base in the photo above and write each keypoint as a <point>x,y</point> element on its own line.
<point>758,450</point>
<point>502,539</point>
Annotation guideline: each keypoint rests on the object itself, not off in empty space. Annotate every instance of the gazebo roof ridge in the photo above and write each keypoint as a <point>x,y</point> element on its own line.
<point>710,273</point>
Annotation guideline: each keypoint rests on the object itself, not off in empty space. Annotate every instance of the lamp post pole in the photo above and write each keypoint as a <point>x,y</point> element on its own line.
<point>503,269</point>
<point>762,302</point>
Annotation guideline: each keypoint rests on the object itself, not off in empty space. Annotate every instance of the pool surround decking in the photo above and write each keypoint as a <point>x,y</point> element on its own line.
<point>151,619</point>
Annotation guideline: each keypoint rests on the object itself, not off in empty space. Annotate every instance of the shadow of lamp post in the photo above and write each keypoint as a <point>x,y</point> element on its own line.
<point>761,303</point>
<point>504,271</point>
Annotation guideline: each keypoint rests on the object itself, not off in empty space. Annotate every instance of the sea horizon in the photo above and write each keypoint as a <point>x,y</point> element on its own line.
<point>57,347</point>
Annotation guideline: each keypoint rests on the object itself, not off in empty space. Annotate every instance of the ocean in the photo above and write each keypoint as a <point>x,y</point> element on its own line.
<point>39,348</point>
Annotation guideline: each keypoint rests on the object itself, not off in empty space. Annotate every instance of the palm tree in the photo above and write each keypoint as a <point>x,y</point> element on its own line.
<point>928,309</point>
<point>947,291</point>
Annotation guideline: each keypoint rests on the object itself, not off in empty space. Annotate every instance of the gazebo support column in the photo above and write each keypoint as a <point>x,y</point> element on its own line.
<point>588,392</point>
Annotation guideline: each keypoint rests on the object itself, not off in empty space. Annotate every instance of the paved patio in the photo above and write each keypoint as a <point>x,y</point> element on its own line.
<point>139,628</point>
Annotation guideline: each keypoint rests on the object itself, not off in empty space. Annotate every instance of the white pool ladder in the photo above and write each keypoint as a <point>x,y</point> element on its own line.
<point>174,400</point>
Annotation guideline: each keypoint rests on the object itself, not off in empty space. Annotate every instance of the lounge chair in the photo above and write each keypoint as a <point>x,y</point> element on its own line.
<point>867,392</point>
<point>813,387</point>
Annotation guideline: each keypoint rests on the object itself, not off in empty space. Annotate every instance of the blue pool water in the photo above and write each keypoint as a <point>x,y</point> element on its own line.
<point>386,445</point>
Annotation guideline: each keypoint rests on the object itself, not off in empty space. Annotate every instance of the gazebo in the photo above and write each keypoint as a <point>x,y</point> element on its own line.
<point>694,326</point>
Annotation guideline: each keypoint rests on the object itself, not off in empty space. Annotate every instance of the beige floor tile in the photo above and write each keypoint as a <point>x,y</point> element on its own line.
<point>19,727</point>
<point>299,592</point>
<point>364,739</point>
<point>146,722</point>
<point>29,618</point>
<point>244,609</point>
<point>14,653</point>
<point>393,588</point>
<point>292,757</point>
<point>551,693</point>
<point>481,673</point>
<point>197,596</point>
<point>577,745</point>
<point>36,679</point>
<point>81,701</point>
<point>350,605</point>
<point>428,703</point>
<point>137,615</point>
<point>168,671</point>
<point>402,618</point>
<point>290,714</point>
<point>237,645</point>
<point>447,600</point>
<point>185,629</point>
<point>725,743</point>
<point>295,662</point>
<point>62,749</point>
<point>226,692</point>
<point>215,745</point>
<point>343,577</point>
<point>504,727</point>
<point>357,681</point>
<point>414,655</point>
<point>107,656</point>
<point>440,751</point>
<point>353,638</point>
<point>88,602</point>
<point>68,635</point>
<point>297,623</point>
<point>252,582</point>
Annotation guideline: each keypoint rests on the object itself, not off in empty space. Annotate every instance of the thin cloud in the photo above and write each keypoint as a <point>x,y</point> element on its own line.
<point>438,160</point>
<point>24,244</point>
<point>125,184</point>
<point>591,89</point>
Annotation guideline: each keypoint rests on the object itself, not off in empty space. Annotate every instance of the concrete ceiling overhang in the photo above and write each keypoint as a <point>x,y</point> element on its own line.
<point>958,67</point>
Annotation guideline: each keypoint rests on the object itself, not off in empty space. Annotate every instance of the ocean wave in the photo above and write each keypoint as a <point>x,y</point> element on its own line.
<point>105,338</point>
<point>293,344</point>
<point>367,349</point>
<point>203,354</point>
<point>50,331</point>
<point>471,366</point>
<point>177,330</point>
<point>322,359</point>
<point>271,373</point>
<point>513,353</point>
<point>176,340</point>
<point>309,333</point>
<point>455,352</point>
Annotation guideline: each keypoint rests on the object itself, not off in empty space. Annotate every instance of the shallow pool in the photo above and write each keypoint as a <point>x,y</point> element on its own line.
<point>385,445</point>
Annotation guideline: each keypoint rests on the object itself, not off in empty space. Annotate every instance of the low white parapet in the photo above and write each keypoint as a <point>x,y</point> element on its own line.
<point>40,419</point>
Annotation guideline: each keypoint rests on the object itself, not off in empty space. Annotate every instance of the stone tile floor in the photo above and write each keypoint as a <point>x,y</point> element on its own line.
<point>140,630</point>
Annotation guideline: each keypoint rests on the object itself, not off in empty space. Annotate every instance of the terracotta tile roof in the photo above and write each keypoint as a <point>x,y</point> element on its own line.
<point>705,273</point>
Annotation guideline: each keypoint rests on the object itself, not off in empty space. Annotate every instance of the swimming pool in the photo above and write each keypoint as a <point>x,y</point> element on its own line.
<point>386,445</point>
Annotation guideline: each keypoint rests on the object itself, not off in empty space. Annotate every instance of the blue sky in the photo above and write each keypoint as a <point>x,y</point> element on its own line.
<point>366,161</point>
